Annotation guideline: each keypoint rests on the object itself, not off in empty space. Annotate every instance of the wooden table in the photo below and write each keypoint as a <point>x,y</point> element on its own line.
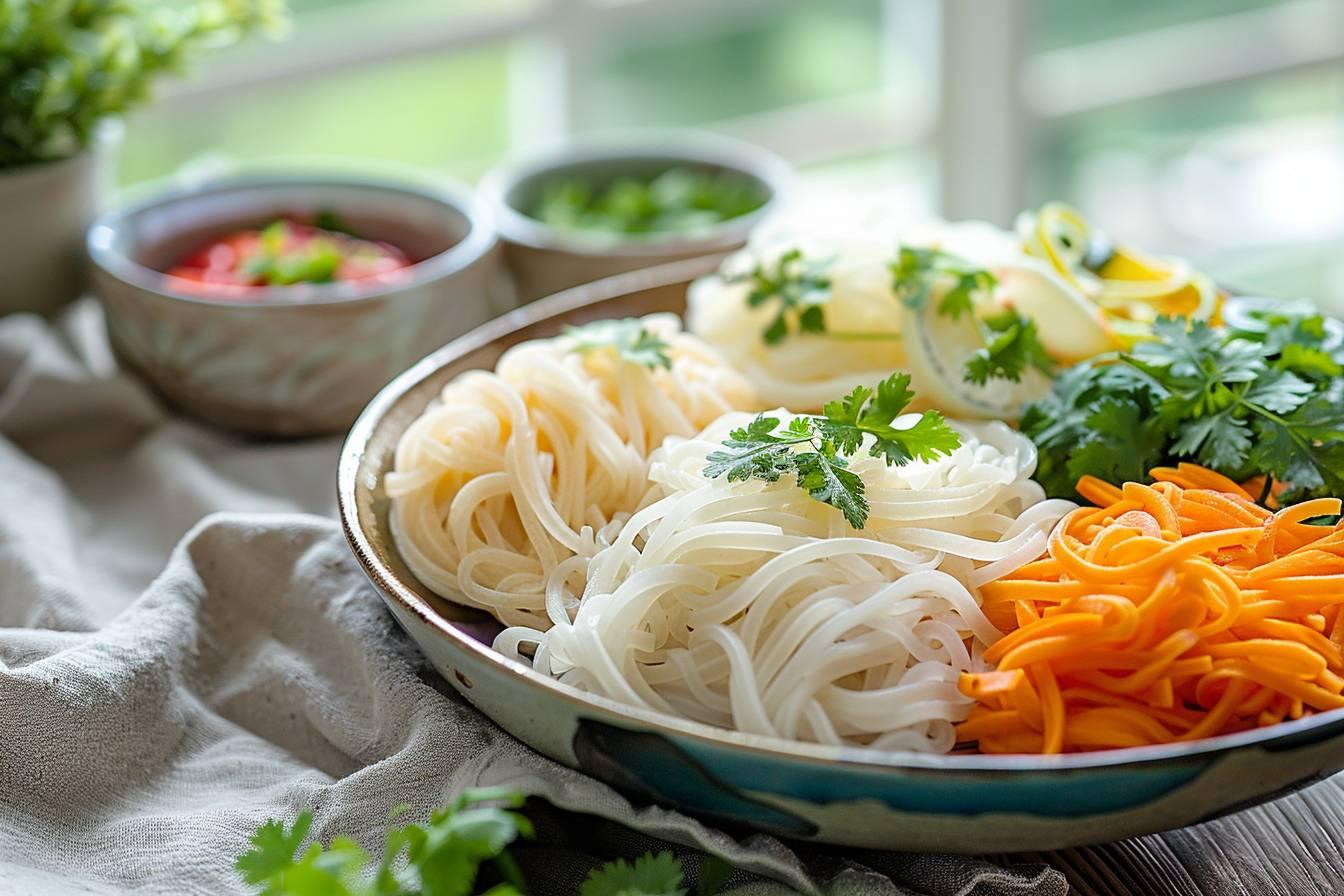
<point>1291,847</point>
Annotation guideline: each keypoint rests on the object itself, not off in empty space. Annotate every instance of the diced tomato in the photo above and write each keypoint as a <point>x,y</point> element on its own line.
<point>243,263</point>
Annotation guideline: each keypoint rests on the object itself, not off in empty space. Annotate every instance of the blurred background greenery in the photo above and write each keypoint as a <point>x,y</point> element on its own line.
<point>1242,169</point>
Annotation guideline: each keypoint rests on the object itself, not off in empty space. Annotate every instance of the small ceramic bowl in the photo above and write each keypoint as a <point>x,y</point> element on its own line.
<point>854,796</point>
<point>545,260</point>
<point>296,360</point>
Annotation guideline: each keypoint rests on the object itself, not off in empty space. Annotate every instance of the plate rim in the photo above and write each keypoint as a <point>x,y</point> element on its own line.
<point>388,583</point>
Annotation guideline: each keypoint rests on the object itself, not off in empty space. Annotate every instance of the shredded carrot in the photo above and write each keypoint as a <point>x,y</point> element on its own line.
<point>1167,612</point>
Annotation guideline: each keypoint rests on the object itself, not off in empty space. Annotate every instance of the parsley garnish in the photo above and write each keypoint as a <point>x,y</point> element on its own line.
<point>1240,402</point>
<point>1010,341</point>
<point>762,450</point>
<point>630,339</point>
<point>800,288</point>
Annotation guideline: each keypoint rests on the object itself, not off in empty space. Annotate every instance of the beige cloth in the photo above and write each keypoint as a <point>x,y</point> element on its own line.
<point>187,649</point>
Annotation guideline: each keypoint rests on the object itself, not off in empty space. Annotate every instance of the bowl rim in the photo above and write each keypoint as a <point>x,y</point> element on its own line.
<point>389,584</point>
<point>481,236</point>
<point>695,147</point>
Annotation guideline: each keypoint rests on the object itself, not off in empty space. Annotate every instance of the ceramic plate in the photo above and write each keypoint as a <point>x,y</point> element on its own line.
<point>852,796</point>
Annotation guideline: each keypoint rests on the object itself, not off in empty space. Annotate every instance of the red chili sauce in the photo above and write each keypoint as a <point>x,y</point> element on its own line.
<point>246,263</point>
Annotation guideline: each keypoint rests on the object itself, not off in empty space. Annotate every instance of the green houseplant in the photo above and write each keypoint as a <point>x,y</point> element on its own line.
<point>68,70</point>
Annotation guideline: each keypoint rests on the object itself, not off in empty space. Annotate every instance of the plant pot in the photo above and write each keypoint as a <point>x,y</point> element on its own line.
<point>44,210</point>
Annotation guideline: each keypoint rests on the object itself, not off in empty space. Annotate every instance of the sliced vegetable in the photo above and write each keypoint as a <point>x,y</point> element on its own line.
<point>1165,613</point>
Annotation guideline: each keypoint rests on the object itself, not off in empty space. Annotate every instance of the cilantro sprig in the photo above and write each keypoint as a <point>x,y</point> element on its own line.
<point>766,451</point>
<point>445,858</point>
<point>798,287</point>
<point>1010,342</point>
<point>649,875</point>
<point>1268,401</point>
<point>629,338</point>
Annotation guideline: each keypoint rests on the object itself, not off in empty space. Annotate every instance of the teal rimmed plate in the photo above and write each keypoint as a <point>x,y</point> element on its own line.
<point>857,797</point>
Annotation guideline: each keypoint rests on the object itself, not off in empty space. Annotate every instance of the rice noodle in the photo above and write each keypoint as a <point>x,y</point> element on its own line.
<point>751,606</point>
<point>513,478</point>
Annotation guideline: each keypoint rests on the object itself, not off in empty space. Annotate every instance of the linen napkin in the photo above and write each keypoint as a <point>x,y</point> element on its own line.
<point>187,649</point>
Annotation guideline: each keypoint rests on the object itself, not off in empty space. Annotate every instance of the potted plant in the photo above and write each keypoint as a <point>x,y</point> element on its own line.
<point>68,70</point>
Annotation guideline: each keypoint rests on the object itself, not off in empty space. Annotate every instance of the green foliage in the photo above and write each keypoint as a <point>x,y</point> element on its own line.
<point>649,875</point>
<point>761,450</point>
<point>66,65</point>
<point>799,288</point>
<point>1268,400</point>
<point>678,200</point>
<point>441,859</point>
<point>628,337</point>
<point>444,859</point>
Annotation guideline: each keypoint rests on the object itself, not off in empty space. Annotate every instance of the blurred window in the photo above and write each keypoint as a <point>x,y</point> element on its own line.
<point>1211,127</point>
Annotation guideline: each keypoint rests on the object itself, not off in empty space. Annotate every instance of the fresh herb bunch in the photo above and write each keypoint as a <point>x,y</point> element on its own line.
<point>1262,401</point>
<point>65,65</point>
<point>763,450</point>
<point>628,337</point>
<point>1011,344</point>
<point>444,859</point>
<point>676,201</point>
<point>799,287</point>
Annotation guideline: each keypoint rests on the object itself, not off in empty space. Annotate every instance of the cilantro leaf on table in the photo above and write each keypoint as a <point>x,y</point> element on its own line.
<point>441,859</point>
<point>630,339</point>
<point>1239,401</point>
<point>274,864</point>
<point>799,287</point>
<point>648,875</point>
<point>273,848</point>
<point>713,875</point>
<point>762,450</point>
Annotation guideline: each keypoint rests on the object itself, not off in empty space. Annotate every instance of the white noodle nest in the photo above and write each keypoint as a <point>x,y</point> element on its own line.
<point>515,474</point>
<point>751,606</point>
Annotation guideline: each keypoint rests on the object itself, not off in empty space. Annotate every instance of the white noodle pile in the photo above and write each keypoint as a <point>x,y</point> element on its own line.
<point>517,477</point>
<point>751,606</point>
